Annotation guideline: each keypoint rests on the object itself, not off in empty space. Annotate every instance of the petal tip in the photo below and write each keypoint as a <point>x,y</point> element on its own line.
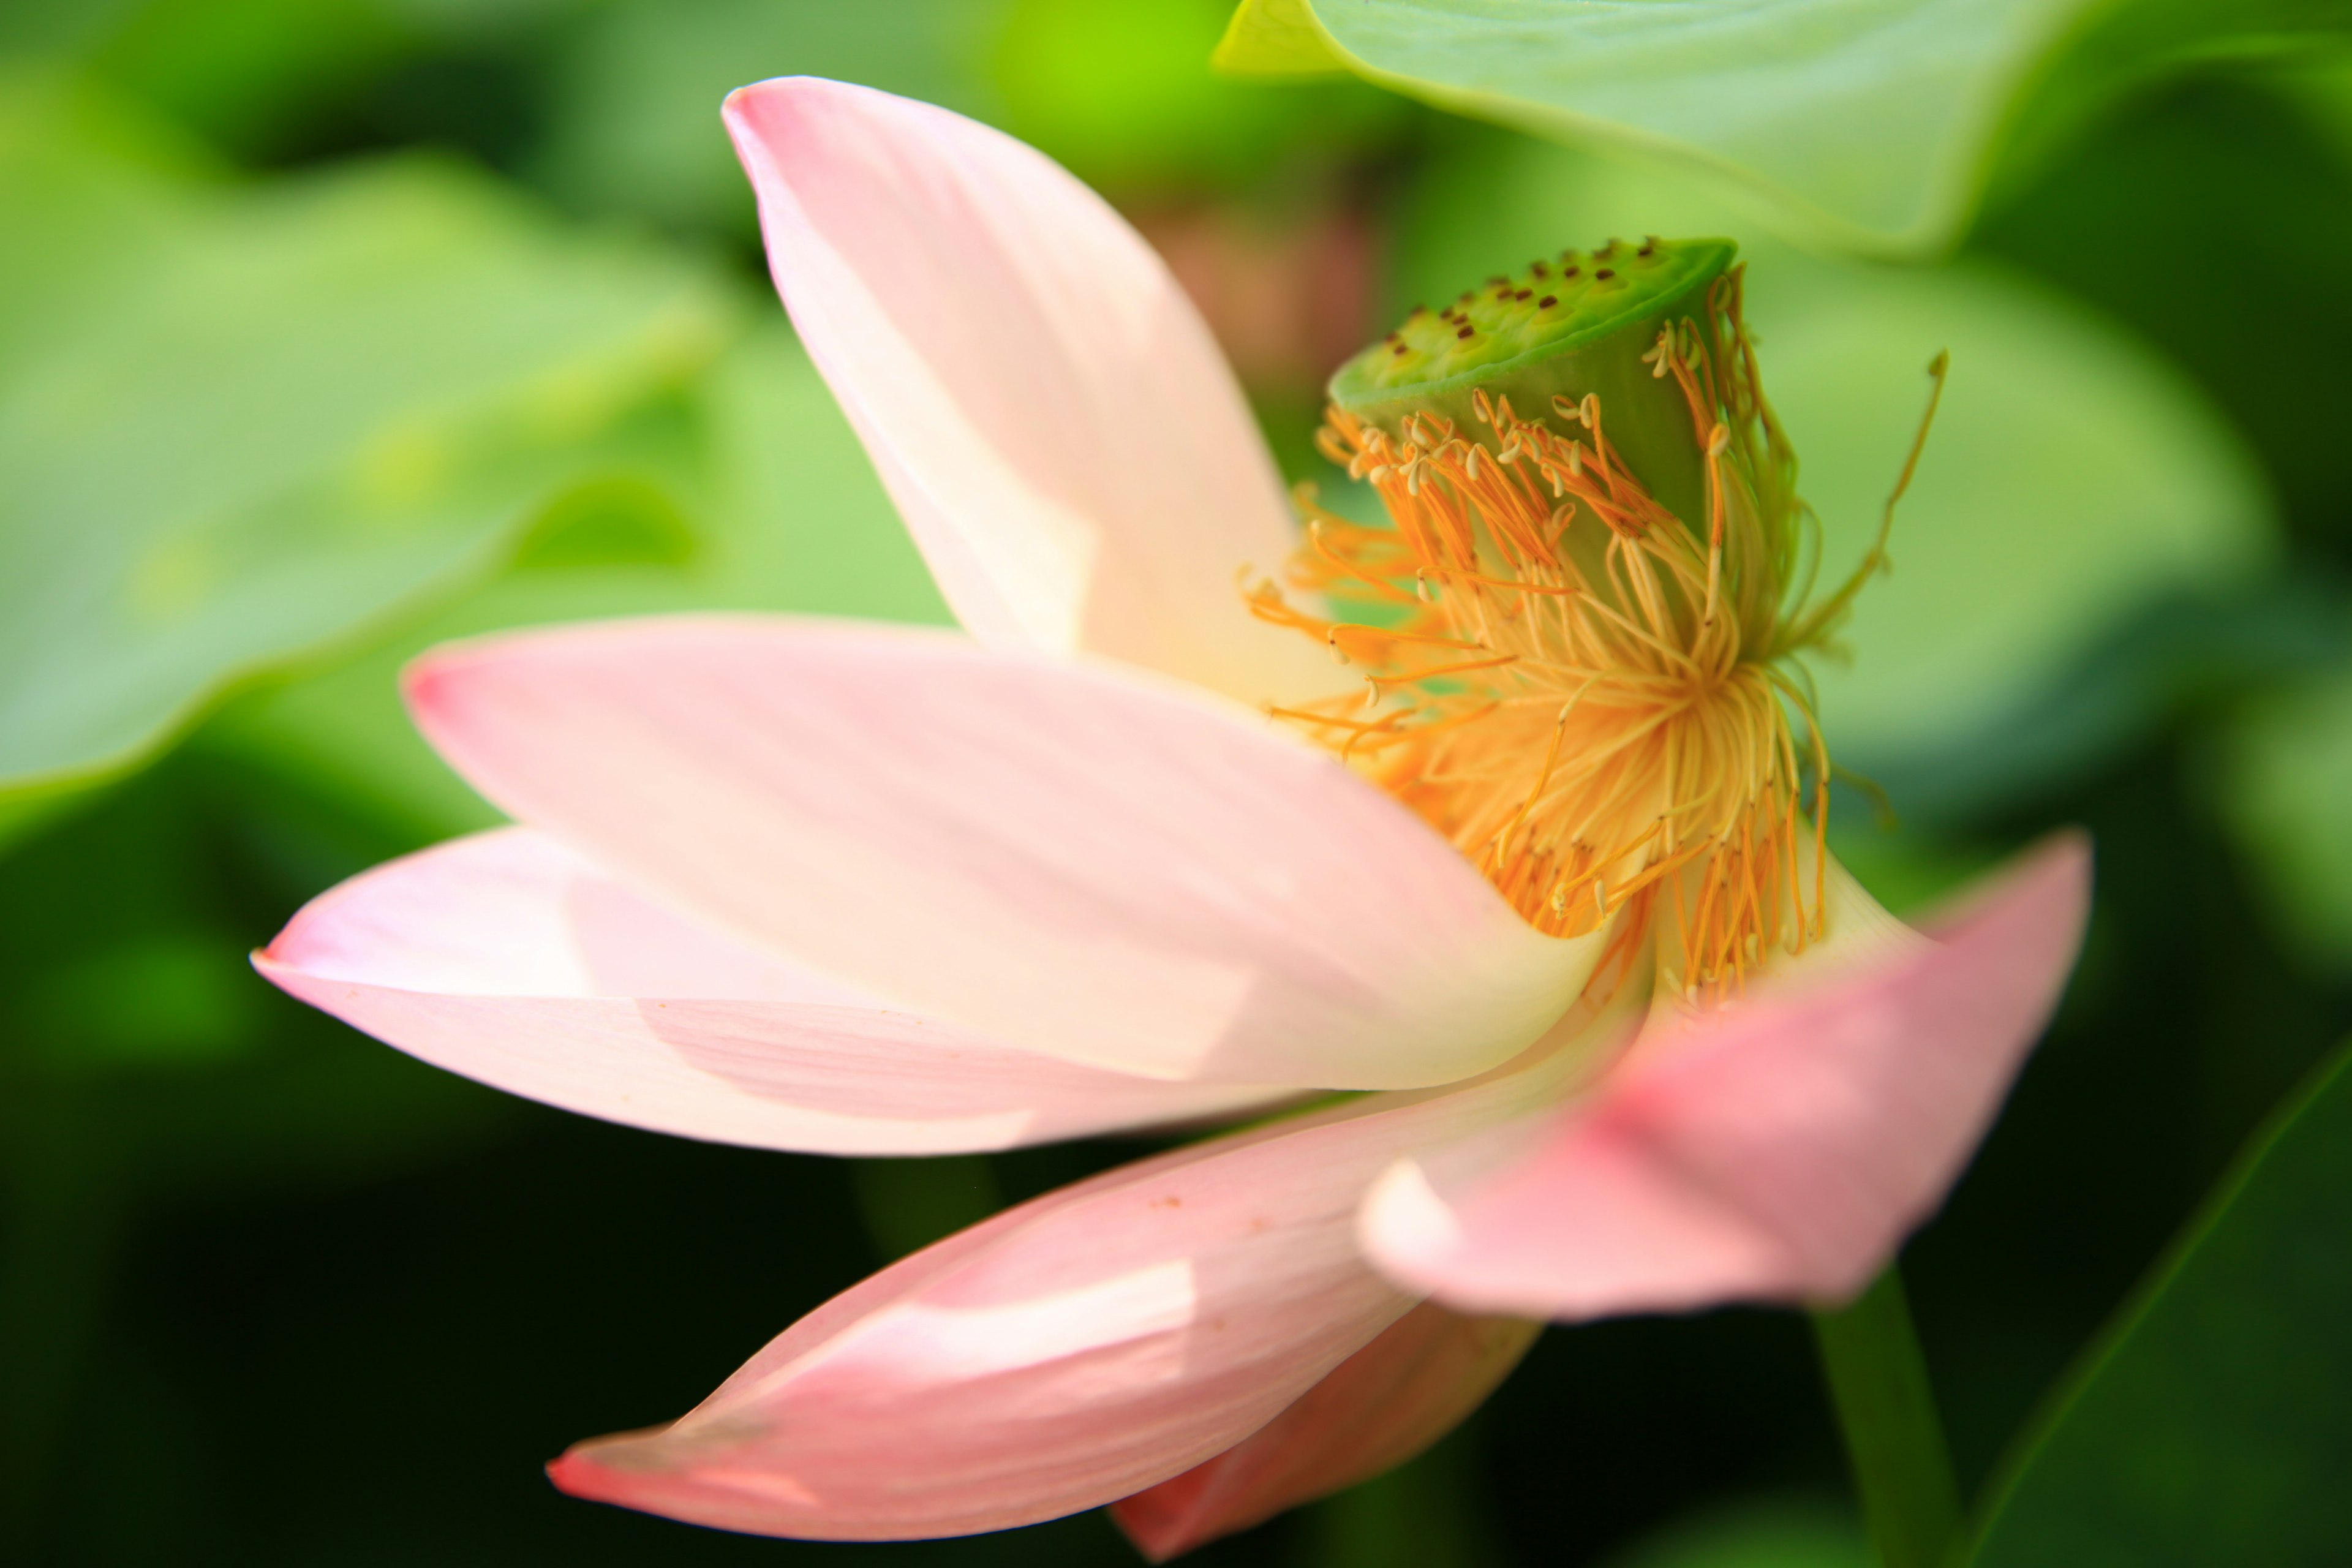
<point>576,1475</point>
<point>2054,872</point>
<point>2066,856</point>
<point>1157,1535</point>
<point>426,681</point>
<point>736,108</point>
<point>577,1472</point>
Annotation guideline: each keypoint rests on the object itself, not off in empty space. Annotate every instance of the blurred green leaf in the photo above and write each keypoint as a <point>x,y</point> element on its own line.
<point>270,81</point>
<point>279,419</point>
<point>105,187</point>
<point>2074,483</point>
<point>785,514</point>
<point>159,1001</point>
<point>2286,792</point>
<point>1435,1511</point>
<point>2123,47</point>
<point>2130,220</point>
<point>1867,124</point>
<point>1765,1534</point>
<point>1277,38</point>
<point>2210,1425</point>
<point>1123,95</point>
<point>128,1007</point>
<point>908,1204</point>
<point>1866,117</point>
<point>634,92</point>
<point>2322,89</point>
<point>246,74</point>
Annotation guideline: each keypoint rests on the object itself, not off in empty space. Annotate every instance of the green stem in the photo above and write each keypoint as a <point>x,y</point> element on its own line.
<point>1878,1380</point>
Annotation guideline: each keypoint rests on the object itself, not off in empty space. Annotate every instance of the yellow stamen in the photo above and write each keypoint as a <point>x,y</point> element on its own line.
<point>1581,690</point>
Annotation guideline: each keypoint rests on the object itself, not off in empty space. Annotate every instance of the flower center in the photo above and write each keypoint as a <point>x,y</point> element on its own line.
<point>1589,690</point>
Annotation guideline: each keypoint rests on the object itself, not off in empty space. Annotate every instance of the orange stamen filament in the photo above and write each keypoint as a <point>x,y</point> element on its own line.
<point>1582,692</point>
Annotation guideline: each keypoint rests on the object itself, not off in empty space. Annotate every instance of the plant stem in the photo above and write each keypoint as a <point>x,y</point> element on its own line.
<point>1878,1380</point>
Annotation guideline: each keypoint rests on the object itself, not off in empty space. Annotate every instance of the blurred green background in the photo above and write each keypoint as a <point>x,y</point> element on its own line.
<point>332,328</point>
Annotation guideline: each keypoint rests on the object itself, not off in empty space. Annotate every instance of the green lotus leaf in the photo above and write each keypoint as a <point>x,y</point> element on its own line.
<point>1763,1533</point>
<point>798,523</point>
<point>239,427</point>
<point>2210,1425</point>
<point>634,90</point>
<point>2286,792</point>
<point>1863,124</point>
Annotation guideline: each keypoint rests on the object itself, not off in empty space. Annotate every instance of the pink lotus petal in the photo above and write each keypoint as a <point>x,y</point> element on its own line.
<point>1042,401</point>
<point>509,959</point>
<point>1777,1150</point>
<point>1379,1407</point>
<point>1077,1349</point>
<point>1071,858</point>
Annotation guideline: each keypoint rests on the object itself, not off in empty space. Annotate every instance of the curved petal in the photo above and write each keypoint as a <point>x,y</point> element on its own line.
<point>1044,404</point>
<point>509,959</point>
<point>1073,859</point>
<point>1778,1150</point>
<point>1379,1407</point>
<point>1066,1354</point>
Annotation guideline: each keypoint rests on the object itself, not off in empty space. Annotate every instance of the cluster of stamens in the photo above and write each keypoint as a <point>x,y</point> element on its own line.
<point>1590,696</point>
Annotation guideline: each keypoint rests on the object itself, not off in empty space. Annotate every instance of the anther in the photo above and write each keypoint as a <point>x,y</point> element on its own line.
<point>1546,303</point>
<point>1604,275</point>
<point>1466,330</point>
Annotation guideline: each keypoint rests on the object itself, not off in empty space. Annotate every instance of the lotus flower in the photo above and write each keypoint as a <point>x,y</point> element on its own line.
<point>1539,883</point>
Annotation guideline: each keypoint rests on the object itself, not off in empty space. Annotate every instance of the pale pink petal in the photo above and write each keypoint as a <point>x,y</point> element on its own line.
<point>1069,856</point>
<point>509,959</point>
<point>1379,1407</point>
<point>1053,420</point>
<point>1779,1150</point>
<point>1066,1354</point>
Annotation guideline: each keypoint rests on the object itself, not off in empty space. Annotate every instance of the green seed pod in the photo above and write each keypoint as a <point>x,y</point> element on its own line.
<point>1578,326</point>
